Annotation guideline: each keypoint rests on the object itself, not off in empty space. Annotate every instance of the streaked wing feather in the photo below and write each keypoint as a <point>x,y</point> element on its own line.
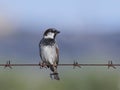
<point>57,51</point>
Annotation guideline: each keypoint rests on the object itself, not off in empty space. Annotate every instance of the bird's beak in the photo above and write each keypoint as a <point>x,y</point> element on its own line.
<point>57,32</point>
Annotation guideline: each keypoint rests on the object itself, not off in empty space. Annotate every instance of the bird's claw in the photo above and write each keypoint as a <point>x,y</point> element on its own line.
<point>43,65</point>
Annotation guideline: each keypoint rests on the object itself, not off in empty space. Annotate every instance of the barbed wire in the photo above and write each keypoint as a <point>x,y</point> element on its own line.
<point>75,64</point>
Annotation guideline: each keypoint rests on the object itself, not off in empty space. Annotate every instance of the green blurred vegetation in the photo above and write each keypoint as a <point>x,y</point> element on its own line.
<point>71,79</point>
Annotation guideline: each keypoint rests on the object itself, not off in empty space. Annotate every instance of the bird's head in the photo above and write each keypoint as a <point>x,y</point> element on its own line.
<point>51,33</point>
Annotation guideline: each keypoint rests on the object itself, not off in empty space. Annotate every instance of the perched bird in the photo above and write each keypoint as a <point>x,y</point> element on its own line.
<point>49,51</point>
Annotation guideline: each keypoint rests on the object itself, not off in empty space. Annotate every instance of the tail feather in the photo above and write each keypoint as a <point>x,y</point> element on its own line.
<point>52,68</point>
<point>55,73</point>
<point>56,76</point>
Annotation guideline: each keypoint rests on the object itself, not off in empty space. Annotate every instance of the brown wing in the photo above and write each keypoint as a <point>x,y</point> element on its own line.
<point>57,58</point>
<point>40,49</point>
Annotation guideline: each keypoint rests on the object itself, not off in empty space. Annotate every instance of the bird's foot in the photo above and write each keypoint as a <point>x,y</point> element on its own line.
<point>43,65</point>
<point>54,64</point>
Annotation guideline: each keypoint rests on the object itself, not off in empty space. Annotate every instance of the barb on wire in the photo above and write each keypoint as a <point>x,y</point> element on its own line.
<point>110,64</point>
<point>8,65</point>
<point>75,64</point>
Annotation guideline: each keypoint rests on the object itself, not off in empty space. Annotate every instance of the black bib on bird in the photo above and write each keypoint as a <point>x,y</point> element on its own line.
<point>47,42</point>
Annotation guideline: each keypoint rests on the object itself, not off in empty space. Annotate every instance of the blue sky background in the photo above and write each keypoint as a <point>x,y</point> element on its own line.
<point>22,23</point>
<point>62,14</point>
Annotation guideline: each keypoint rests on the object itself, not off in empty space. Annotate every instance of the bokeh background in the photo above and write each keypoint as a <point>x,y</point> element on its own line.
<point>90,33</point>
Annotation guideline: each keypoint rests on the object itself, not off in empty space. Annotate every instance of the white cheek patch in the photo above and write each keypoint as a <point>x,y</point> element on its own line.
<point>49,35</point>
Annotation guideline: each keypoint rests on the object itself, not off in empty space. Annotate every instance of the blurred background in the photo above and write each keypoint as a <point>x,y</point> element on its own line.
<point>90,33</point>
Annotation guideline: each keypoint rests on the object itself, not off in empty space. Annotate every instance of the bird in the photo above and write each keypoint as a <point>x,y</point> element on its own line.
<point>49,51</point>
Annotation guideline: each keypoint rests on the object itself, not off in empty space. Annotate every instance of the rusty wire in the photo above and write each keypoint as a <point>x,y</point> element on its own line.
<point>75,64</point>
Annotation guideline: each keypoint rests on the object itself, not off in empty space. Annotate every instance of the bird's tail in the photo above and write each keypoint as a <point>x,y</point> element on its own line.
<point>55,73</point>
<point>56,76</point>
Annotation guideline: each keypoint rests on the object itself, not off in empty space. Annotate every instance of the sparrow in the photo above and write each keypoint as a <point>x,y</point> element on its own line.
<point>49,52</point>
